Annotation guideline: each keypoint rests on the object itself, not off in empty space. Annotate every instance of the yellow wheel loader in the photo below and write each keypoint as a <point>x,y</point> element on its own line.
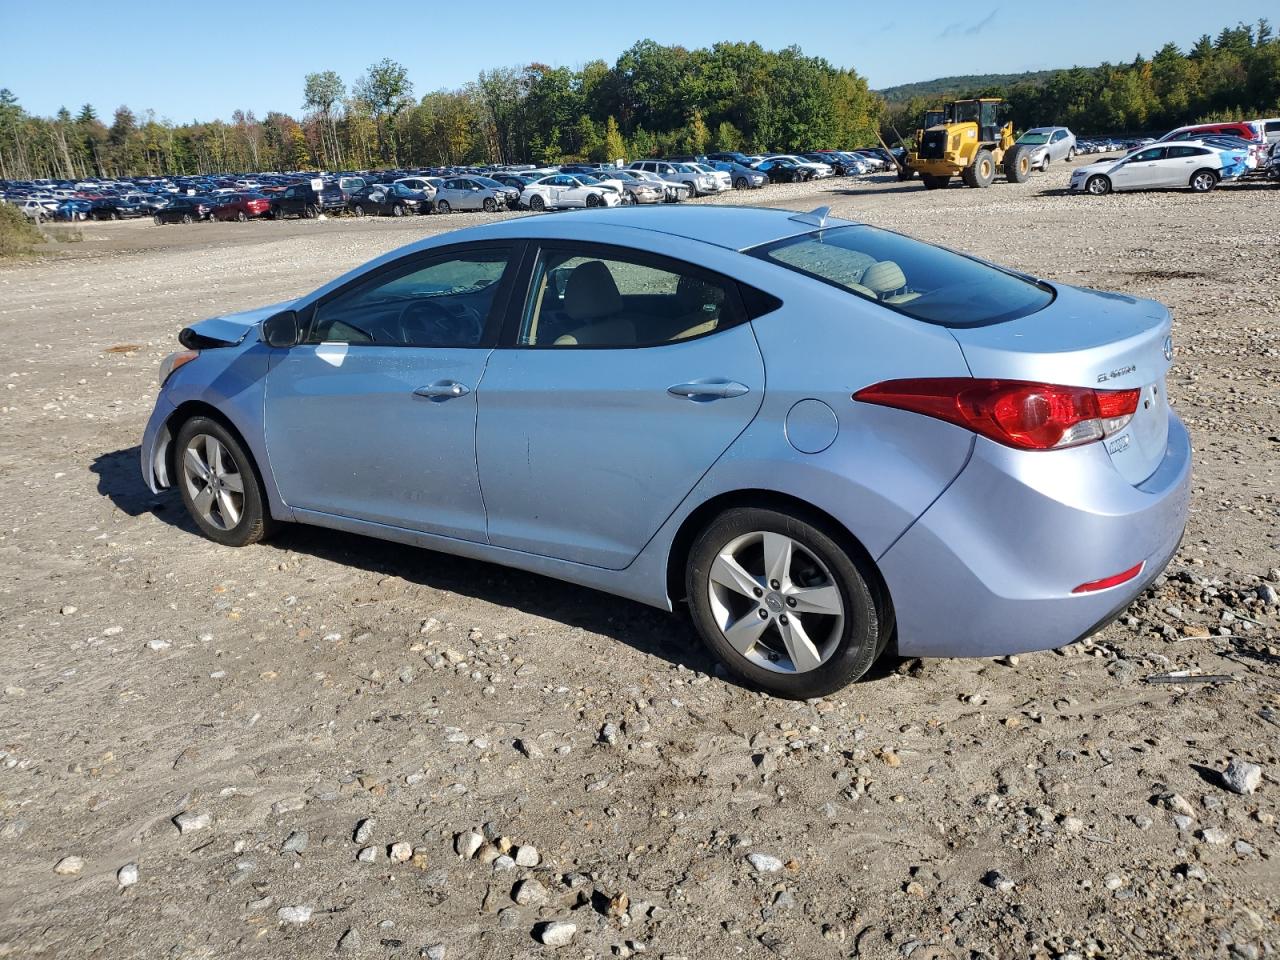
<point>972,140</point>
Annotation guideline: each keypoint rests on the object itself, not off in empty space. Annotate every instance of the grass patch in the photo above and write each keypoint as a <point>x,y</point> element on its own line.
<point>17,234</point>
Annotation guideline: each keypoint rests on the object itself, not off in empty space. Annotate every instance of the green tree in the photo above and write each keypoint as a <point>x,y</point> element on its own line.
<point>320,92</point>
<point>387,90</point>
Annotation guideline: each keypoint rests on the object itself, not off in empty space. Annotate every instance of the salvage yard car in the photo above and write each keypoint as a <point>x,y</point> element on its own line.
<point>1193,165</point>
<point>564,190</point>
<point>1049,145</point>
<point>474,193</point>
<point>944,456</point>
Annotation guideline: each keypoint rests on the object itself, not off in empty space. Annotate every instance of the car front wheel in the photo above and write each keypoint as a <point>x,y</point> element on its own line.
<point>219,484</point>
<point>1098,186</point>
<point>781,603</point>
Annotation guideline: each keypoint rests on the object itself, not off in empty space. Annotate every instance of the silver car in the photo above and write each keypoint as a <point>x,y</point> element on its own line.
<point>942,459</point>
<point>474,193</point>
<point>1049,145</point>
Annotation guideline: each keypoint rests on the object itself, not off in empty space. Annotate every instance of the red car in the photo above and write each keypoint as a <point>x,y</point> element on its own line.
<point>240,206</point>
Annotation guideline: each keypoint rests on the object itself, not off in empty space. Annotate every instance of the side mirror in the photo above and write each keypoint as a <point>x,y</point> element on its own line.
<point>281,329</point>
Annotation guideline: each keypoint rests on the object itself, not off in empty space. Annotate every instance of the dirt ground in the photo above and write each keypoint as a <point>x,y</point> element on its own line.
<point>296,703</point>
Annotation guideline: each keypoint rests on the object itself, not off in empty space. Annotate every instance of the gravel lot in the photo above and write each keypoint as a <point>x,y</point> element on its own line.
<point>279,746</point>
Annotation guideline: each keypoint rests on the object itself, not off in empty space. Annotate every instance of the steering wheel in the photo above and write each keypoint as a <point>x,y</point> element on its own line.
<point>427,322</point>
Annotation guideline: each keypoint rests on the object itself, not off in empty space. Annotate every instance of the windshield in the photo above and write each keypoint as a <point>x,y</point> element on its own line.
<point>918,279</point>
<point>586,178</point>
<point>487,182</point>
<point>1034,138</point>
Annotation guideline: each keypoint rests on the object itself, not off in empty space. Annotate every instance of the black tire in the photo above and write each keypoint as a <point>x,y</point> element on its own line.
<point>1098,185</point>
<point>490,205</point>
<point>1203,181</point>
<point>981,172</point>
<point>397,210</point>
<point>115,214</point>
<point>277,213</point>
<point>1017,164</point>
<point>255,523</point>
<point>934,181</point>
<point>358,210</point>
<point>241,216</point>
<point>443,207</point>
<point>593,200</point>
<point>536,203</point>
<point>310,211</point>
<point>905,172</point>
<point>860,640</point>
<point>693,190</point>
<point>159,221</point>
<point>186,218</point>
<point>741,184</point>
<point>630,199</point>
<point>1071,155</point>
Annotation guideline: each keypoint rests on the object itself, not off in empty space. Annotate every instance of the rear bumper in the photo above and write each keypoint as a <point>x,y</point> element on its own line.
<point>990,566</point>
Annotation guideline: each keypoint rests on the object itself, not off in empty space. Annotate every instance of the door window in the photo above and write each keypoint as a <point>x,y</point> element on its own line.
<point>437,301</point>
<point>621,299</point>
<point>1146,156</point>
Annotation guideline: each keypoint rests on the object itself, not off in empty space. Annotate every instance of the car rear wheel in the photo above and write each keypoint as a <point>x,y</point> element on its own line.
<point>1098,185</point>
<point>1203,181</point>
<point>310,211</point>
<point>186,218</point>
<point>219,484</point>
<point>537,204</point>
<point>490,205</point>
<point>781,603</point>
<point>443,207</point>
<point>241,216</point>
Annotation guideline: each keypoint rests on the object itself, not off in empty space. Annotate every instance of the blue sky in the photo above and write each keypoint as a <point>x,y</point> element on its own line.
<point>201,61</point>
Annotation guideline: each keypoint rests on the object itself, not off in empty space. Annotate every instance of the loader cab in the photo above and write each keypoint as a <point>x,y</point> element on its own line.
<point>989,115</point>
<point>934,118</point>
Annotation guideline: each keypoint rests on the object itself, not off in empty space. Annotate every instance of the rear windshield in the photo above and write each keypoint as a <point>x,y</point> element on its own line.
<point>918,279</point>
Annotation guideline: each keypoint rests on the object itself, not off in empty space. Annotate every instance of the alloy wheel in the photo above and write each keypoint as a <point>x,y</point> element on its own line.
<point>214,481</point>
<point>776,603</point>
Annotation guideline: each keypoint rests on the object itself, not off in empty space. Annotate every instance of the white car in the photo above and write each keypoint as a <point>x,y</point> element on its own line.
<point>1162,166</point>
<point>820,170</point>
<point>33,209</point>
<point>562,190</point>
<point>723,180</point>
<point>635,188</point>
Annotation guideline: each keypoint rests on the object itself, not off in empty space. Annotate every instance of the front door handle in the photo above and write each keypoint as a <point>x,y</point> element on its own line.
<point>442,390</point>
<point>708,390</point>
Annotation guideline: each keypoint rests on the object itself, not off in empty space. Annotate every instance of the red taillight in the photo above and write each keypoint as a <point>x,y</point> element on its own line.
<point>1017,413</point>
<point>1112,581</point>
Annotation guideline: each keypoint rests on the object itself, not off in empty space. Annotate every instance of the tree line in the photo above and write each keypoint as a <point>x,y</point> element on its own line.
<point>1233,77</point>
<point>652,100</point>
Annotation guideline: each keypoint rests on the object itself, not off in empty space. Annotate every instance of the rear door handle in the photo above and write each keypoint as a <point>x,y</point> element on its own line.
<point>701,390</point>
<point>442,390</point>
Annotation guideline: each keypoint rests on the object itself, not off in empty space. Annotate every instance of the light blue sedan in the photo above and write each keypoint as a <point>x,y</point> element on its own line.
<point>826,439</point>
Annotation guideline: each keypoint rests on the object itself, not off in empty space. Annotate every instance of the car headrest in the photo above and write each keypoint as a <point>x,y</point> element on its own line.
<point>883,277</point>
<point>590,292</point>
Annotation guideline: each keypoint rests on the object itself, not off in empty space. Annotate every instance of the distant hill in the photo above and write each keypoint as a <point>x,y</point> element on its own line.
<point>943,86</point>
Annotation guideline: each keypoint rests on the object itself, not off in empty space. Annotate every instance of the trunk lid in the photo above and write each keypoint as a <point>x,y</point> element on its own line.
<point>1087,338</point>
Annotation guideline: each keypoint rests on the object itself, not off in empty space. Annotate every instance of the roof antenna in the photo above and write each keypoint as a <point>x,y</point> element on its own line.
<point>817,216</point>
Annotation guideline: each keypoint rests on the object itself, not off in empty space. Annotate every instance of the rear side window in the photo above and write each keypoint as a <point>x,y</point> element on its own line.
<point>920,280</point>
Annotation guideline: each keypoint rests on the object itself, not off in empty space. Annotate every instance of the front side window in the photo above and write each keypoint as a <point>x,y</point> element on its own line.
<point>1147,156</point>
<point>622,299</point>
<point>917,279</point>
<point>428,301</point>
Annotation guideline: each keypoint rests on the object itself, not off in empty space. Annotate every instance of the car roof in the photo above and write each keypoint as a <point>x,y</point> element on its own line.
<point>731,227</point>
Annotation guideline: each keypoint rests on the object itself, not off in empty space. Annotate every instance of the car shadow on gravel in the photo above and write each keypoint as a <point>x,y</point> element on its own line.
<point>647,629</point>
